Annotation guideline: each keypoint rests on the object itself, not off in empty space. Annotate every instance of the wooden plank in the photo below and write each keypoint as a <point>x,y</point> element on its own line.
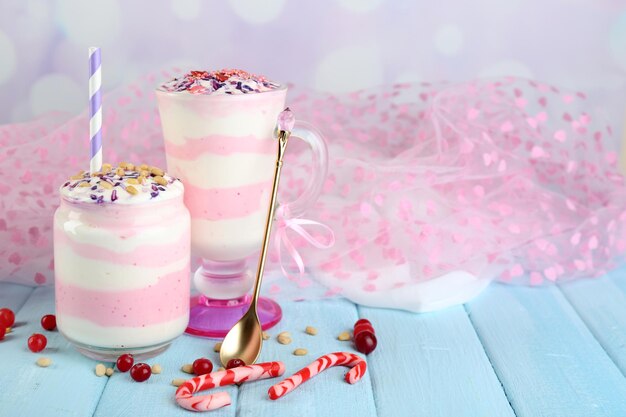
<point>67,387</point>
<point>546,358</point>
<point>601,304</point>
<point>14,296</point>
<point>432,365</point>
<point>327,394</point>
<point>155,397</point>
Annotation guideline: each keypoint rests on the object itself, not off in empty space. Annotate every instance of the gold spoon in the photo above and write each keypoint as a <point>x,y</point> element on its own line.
<point>245,339</point>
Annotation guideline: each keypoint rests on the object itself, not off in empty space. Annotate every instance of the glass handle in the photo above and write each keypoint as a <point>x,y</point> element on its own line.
<point>304,131</point>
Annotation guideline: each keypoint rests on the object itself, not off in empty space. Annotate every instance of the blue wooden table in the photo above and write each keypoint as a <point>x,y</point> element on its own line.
<point>513,351</point>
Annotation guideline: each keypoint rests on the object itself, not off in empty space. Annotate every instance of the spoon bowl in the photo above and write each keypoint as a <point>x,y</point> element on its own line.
<point>244,340</point>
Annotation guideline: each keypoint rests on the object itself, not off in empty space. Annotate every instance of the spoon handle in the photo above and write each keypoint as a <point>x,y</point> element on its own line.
<point>283,138</point>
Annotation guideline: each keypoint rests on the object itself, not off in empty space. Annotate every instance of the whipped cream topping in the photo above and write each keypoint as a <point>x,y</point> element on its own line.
<point>225,81</point>
<point>124,184</point>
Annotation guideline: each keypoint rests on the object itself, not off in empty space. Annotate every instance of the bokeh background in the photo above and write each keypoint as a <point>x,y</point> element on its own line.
<point>330,45</point>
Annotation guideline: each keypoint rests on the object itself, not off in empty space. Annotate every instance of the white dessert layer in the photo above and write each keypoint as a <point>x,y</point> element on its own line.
<point>228,240</point>
<point>89,333</point>
<point>106,275</point>
<point>124,239</point>
<point>180,124</point>
<point>236,170</point>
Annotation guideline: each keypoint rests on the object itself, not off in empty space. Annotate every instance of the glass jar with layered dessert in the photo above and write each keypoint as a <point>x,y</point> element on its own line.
<point>121,260</point>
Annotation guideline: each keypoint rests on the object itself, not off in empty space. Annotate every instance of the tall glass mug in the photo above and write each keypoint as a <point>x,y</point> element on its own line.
<point>220,142</point>
<point>121,262</point>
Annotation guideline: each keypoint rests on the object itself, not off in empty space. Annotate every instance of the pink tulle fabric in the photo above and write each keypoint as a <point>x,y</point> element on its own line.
<point>509,179</point>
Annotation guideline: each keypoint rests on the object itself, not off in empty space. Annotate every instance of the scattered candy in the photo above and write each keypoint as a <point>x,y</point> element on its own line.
<point>7,316</point>
<point>234,363</point>
<point>310,330</point>
<point>156,369</point>
<point>351,360</point>
<point>187,368</point>
<point>344,336</point>
<point>266,336</point>
<point>44,362</point>
<point>300,352</point>
<point>225,81</point>
<point>109,372</point>
<point>184,394</point>
<point>100,369</point>
<point>37,342</point>
<point>177,382</point>
<point>49,322</point>
<point>364,336</point>
<point>217,347</point>
<point>140,372</point>
<point>125,362</point>
<point>202,366</point>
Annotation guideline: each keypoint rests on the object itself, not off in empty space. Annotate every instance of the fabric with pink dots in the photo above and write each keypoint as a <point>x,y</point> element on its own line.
<point>508,178</point>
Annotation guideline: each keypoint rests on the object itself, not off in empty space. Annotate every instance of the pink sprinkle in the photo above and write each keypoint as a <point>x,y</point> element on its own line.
<point>535,278</point>
<point>575,239</point>
<point>506,126</point>
<point>40,278</point>
<point>514,228</point>
<point>560,135</point>
<point>517,271</point>
<point>472,113</point>
<point>593,243</point>
<point>538,152</point>
<point>550,273</point>
<point>580,265</point>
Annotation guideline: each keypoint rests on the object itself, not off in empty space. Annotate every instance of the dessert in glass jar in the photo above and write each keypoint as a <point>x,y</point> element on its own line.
<point>121,260</point>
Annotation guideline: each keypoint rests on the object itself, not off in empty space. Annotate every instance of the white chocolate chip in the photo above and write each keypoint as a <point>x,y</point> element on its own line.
<point>300,352</point>
<point>187,368</point>
<point>44,362</point>
<point>156,368</point>
<point>109,372</point>
<point>310,330</point>
<point>266,335</point>
<point>100,369</point>
<point>217,347</point>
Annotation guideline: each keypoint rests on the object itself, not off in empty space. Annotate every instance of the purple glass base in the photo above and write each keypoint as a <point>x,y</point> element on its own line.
<point>214,318</point>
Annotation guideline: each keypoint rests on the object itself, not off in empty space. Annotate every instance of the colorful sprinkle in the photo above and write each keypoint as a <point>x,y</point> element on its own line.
<point>225,81</point>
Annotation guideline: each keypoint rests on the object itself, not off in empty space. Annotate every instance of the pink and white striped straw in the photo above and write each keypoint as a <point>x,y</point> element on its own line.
<point>95,110</point>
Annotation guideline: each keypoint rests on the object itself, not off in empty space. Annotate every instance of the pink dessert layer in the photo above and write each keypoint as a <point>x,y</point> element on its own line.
<point>167,300</point>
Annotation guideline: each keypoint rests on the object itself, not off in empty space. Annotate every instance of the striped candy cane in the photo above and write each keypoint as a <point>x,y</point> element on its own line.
<point>184,396</point>
<point>95,110</point>
<point>357,364</point>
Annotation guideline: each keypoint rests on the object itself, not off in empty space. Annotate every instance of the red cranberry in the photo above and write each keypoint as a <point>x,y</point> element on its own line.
<point>125,362</point>
<point>359,321</point>
<point>234,363</point>
<point>365,342</point>
<point>7,316</point>
<point>140,372</point>
<point>37,342</point>
<point>49,322</point>
<point>202,366</point>
<point>363,327</point>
